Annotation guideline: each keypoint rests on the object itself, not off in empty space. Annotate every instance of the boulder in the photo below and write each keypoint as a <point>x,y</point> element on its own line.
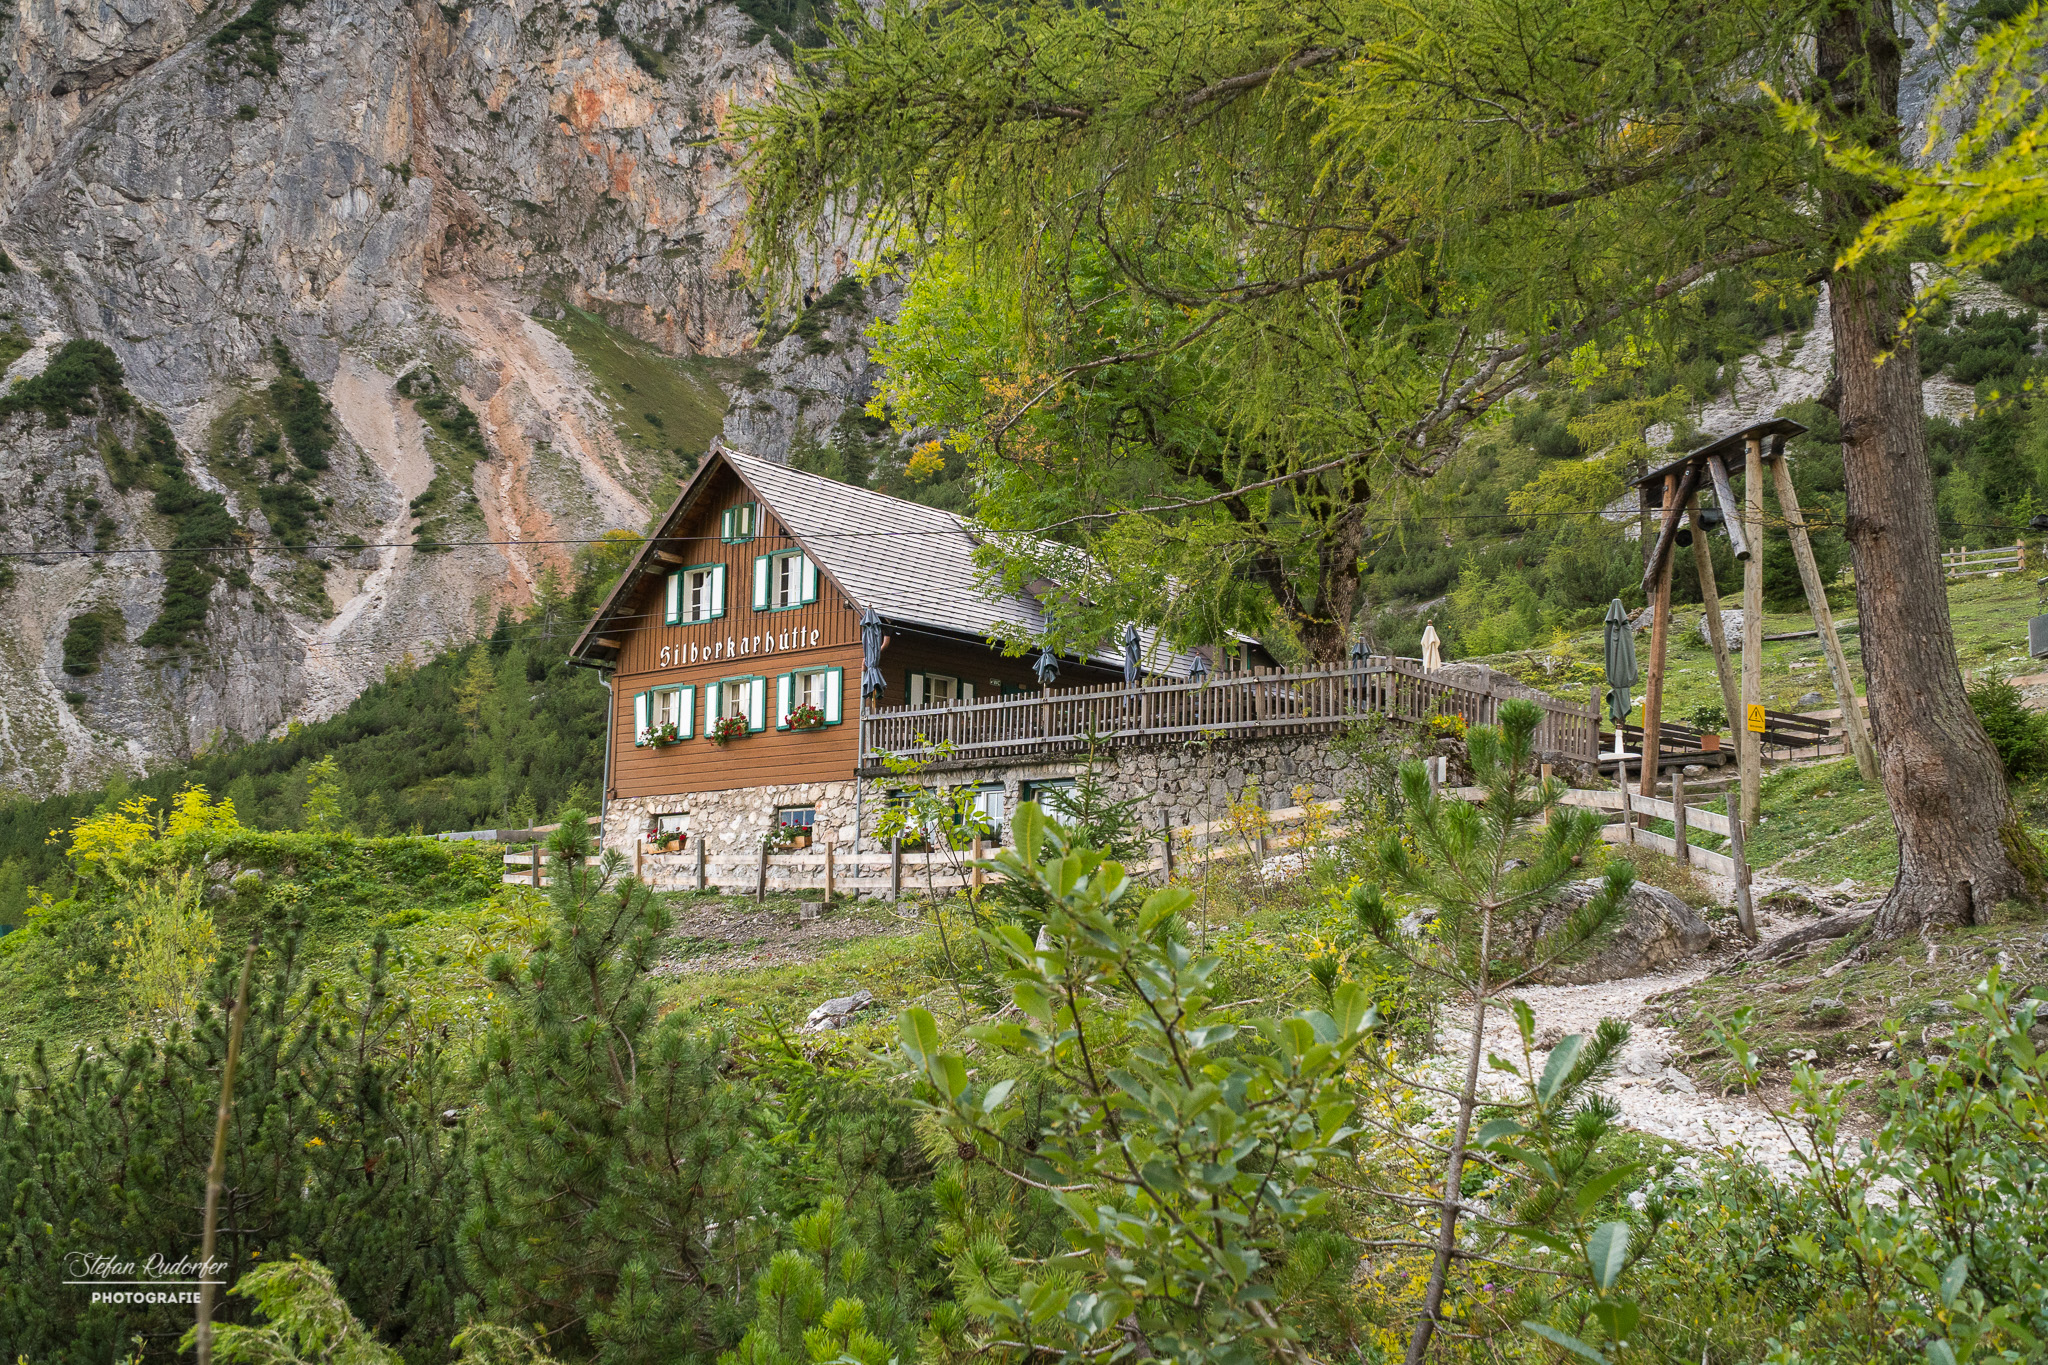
<point>1731,629</point>
<point>1808,700</point>
<point>838,1012</point>
<point>1656,931</point>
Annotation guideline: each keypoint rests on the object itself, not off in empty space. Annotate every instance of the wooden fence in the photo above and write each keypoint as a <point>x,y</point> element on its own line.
<point>1254,704</point>
<point>1962,563</point>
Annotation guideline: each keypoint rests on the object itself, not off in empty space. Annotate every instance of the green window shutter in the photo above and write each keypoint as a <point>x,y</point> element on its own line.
<point>757,704</point>
<point>686,711</point>
<point>643,718</point>
<point>717,591</point>
<point>672,611</point>
<point>810,578</point>
<point>714,704</point>
<point>785,686</point>
<point>760,582</point>
<point>835,683</point>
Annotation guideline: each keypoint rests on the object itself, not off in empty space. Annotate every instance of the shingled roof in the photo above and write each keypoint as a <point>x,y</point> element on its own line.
<point>912,563</point>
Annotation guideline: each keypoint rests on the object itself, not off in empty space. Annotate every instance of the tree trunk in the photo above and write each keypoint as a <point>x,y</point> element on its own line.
<point>1961,847</point>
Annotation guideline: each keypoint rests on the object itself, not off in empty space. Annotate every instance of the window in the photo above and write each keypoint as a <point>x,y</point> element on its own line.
<point>663,715</point>
<point>1052,797</point>
<point>938,689</point>
<point>746,698</point>
<point>736,524</point>
<point>821,688</point>
<point>696,593</point>
<point>990,806</point>
<point>803,817</point>
<point>666,834</point>
<point>784,580</point>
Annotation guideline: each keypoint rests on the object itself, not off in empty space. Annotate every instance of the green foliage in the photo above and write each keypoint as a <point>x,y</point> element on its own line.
<point>14,342</point>
<point>85,638</point>
<point>457,444</point>
<point>336,1151</point>
<point>641,383</point>
<point>1181,1156</point>
<point>83,379</point>
<point>307,419</point>
<point>253,34</point>
<point>2019,734</point>
<point>201,523</point>
<point>1951,1256</point>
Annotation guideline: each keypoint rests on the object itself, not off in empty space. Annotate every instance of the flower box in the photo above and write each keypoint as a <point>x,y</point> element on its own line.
<point>725,728</point>
<point>805,717</point>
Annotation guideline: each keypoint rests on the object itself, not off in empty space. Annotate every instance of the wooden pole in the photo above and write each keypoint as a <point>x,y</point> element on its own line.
<point>1710,595</point>
<point>976,874</point>
<point>1660,636</point>
<point>1684,851</point>
<point>536,864</point>
<point>1817,602</point>
<point>829,887</point>
<point>761,880</point>
<point>699,842</point>
<point>1544,772</point>
<point>1751,764</point>
<point>1745,912</point>
<point>217,1173</point>
<point>896,868</point>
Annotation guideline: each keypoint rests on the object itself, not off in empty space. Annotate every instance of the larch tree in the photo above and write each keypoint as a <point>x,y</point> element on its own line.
<point>1338,235</point>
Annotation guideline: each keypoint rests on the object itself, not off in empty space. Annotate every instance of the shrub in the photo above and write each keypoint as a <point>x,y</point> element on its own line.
<point>2019,735</point>
<point>85,639</point>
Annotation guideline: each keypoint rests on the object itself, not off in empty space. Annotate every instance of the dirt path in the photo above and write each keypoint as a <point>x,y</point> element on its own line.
<point>737,935</point>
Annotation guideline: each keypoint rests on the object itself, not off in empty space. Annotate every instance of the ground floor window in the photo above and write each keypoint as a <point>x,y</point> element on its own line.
<point>795,825</point>
<point>665,834</point>
<point>1054,796</point>
<point>990,805</point>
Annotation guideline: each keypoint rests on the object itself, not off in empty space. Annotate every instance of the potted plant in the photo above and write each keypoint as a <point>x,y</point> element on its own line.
<point>785,838</point>
<point>666,840</point>
<point>665,733</point>
<point>805,717</point>
<point>725,728</point>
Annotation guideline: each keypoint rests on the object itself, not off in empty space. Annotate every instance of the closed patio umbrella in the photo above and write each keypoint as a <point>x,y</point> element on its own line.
<point>1048,666</point>
<point>1134,655</point>
<point>872,682</point>
<point>1622,673</point>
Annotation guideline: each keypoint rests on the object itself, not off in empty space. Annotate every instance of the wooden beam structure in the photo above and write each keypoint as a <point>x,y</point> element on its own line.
<point>1750,754</point>
<point>1853,724</point>
<point>1677,489</point>
<point>1710,595</point>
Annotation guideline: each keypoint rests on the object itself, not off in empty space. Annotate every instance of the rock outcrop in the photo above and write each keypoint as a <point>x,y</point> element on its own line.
<point>1656,930</point>
<point>413,199</point>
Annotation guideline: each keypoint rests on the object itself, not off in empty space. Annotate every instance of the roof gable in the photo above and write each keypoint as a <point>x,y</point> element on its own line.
<point>913,564</point>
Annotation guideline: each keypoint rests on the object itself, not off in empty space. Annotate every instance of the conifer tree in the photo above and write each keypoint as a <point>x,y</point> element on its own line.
<point>336,1151</point>
<point>608,1210</point>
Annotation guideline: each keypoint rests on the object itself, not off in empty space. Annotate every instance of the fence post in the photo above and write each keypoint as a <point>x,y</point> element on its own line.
<point>829,888</point>
<point>761,882</point>
<point>1593,739</point>
<point>976,875</point>
<point>1684,854</point>
<point>536,863</point>
<point>1544,772</point>
<point>699,841</point>
<point>896,868</point>
<point>1745,911</point>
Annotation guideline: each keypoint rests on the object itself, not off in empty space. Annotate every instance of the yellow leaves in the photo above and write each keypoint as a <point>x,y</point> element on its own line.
<point>927,461</point>
<point>107,841</point>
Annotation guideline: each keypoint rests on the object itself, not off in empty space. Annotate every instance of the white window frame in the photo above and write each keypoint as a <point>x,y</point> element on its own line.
<point>831,689</point>
<point>745,697</point>
<point>647,708</point>
<point>918,689</point>
<point>684,606</point>
<point>740,523</point>
<point>769,573</point>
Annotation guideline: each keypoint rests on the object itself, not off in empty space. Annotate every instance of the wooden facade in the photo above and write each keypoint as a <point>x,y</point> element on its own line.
<point>744,643</point>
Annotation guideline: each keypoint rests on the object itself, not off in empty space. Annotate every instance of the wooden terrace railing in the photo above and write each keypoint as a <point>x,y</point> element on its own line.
<point>1252,704</point>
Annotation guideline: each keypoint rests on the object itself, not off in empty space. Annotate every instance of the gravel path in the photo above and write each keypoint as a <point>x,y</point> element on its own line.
<point>1654,1092</point>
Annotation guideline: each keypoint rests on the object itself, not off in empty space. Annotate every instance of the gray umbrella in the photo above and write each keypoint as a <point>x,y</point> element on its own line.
<point>1622,673</point>
<point>1134,655</point>
<point>872,683</point>
<point>1048,666</point>
<point>1198,667</point>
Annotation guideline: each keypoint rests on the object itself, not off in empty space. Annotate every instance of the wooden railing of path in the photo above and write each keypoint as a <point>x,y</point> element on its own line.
<point>1256,703</point>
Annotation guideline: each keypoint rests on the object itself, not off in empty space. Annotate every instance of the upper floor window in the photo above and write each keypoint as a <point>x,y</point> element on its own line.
<point>938,689</point>
<point>736,524</point>
<point>784,580</point>
<point>663,715</point>
<point>696,593</point>
<point>810,698</point>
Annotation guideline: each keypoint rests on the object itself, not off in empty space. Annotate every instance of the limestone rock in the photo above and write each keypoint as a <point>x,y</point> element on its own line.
<point>1657,930</point>
<point>1731,629</point>
<point>838,1012</point>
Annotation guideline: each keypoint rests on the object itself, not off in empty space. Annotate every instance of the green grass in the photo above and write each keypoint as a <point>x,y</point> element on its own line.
<point>664,407</point>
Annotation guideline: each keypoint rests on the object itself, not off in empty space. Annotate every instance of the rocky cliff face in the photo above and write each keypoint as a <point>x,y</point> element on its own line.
<point>504,210</point>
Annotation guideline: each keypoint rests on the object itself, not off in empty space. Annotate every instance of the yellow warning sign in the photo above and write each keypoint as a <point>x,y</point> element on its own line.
<point>1756,720</point>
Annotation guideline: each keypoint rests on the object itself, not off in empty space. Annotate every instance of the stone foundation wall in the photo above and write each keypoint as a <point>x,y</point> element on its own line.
<point>1184,784</point>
